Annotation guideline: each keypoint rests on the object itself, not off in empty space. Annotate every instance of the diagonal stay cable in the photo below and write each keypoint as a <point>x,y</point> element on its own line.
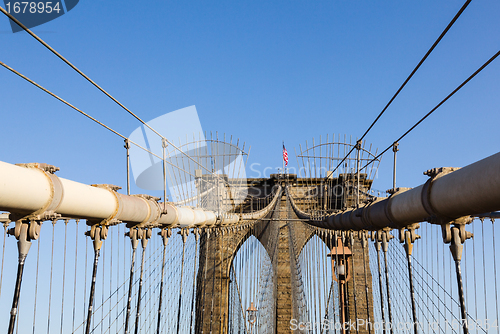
<point>10,16</point>
<point>410,76</point>
<point>437,106</point>
<point>85,114</point>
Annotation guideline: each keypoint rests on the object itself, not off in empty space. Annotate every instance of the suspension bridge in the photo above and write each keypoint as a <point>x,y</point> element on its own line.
<point>312,251</point>
<point>317,254</point>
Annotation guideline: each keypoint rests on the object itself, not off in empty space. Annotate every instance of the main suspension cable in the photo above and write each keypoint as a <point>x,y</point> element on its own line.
<point>455,18</point>
<point>436,107</point>
<point>10,16</point>
<point>88,116</point>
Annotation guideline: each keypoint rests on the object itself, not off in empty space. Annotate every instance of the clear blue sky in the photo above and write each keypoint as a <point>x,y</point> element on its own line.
<point>263,71</point>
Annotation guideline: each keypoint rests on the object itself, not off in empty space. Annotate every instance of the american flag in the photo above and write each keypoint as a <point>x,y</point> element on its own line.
<point>285,155</point>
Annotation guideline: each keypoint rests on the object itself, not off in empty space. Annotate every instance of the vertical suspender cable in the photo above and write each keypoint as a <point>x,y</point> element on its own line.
<point>85,275</point>
<point>328,287</point>
<point>74,284</point>
<point>51,271</point>
<point>197,236</point>
<point>118,275</point>
<point>358,148</point>
<point>427,248</point>
<point>180,288</point>
<point>165,235</point>
<point>354,277</point>
<point>474,261</point>
<point>377,247</point>
<point>336,244</point>
<point>36,285</point>
<point>24,245</point>
<point>221,254</point>
<point>102,287</point>
<point>110,281</point>
<point>495,268</point>
<point>314,276</point>
<point>409,248</point>
<point>384,248</point>
<point>5,225</point>
<point>395,150</point>
<point>343,287</point>
<point>127,147</point>
<point>213,283</point>
<point>132,233</point>
<point>484,270</point>
<point>456,248</point>
<point>141,282</point>
<point>97,248</point>
<point>205,265</point>
<point>164,146</point>
<point>364,243</point>
<point>64,273</point>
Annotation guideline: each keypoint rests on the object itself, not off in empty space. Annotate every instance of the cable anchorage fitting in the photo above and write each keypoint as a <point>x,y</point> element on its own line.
<point>144,234</point>
<point>358,144</point>
<point>98,234</point>
<point>384,237</point>
<point>395,147</point>
<point>184,233</point>
<point>408,236</point>
<point>165,234</point>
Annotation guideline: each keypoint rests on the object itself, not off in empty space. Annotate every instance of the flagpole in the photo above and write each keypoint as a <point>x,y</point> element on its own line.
<point>283,158</point>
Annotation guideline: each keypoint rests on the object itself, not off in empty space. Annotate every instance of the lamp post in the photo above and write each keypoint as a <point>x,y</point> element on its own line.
<point>341,271</point>
<point>252,316</point>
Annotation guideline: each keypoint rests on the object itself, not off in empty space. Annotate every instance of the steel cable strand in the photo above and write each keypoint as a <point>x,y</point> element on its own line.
<point>64,272</point>
<point>402,258</point>
<point>495,269</point>
<point>75,280</point>
<point>402,302</point>
<point>403,280</point>
<point>152,270</point>
<point>123,296</point>
<point>376,292</point>
<point>446,293</point>
<point>109,297</point>
<point>36,283</point>
<point>239,295</point>
<point>90,117</point>
<point>484,271</point>
<point>399,288</point>
<point>456,302</point>
<point>455,18</point>
<point>402,269</point>
<point>213,287</point>
<point>5,226</point>
<point>437,106</point>
<point>103,261</point>
<point>110,278</point>
<point>51,272</point>
<point>96,85</point>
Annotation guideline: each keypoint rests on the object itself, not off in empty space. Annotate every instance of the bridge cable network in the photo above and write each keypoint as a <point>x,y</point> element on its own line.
<point>437,106</point>
<point>316,295</point>
<point>164,140</point>
<point>443,33</point>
